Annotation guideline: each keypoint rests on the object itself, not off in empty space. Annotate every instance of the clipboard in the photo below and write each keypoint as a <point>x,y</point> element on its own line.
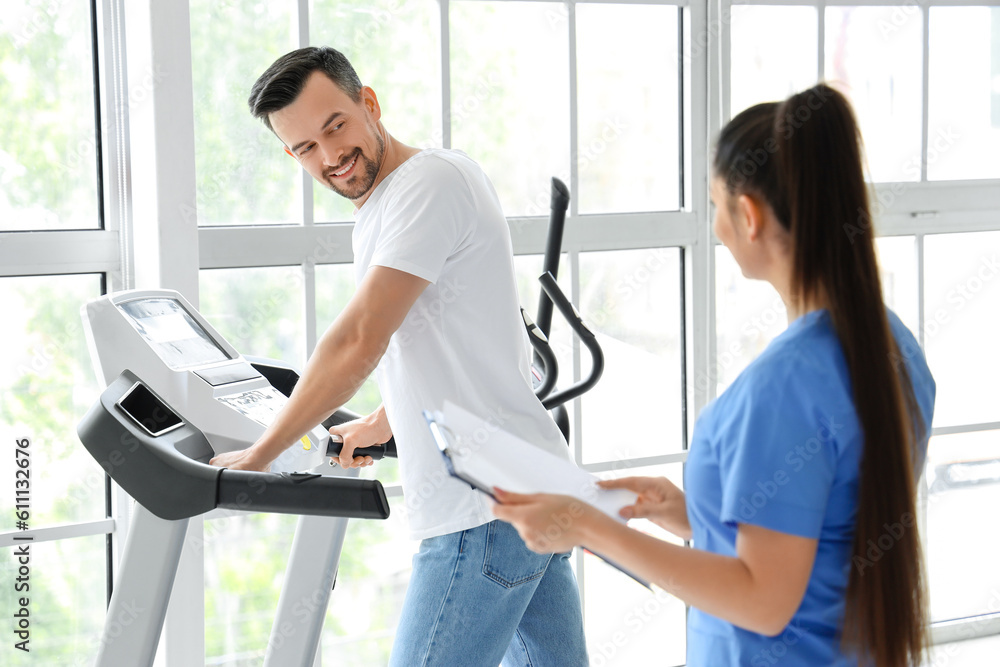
<point>494,458</point>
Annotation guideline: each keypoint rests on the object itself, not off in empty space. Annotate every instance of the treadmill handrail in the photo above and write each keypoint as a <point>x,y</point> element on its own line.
<point>154,470</point>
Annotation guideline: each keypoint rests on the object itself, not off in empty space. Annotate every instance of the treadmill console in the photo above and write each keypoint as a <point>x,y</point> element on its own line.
<point>180,357</point>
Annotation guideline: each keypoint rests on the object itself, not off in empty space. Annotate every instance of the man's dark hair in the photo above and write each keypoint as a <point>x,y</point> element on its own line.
<point>282,82</point>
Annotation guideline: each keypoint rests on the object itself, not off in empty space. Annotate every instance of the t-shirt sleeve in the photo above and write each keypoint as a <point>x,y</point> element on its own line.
<point>428,218</point>
<point>924,387</point>
<point>778,455</point>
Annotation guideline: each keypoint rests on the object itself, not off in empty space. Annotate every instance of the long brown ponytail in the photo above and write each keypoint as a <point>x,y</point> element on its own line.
<point>803,156</point>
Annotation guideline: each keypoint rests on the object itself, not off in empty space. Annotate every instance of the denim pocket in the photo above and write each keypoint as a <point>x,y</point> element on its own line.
<point>508,561</point>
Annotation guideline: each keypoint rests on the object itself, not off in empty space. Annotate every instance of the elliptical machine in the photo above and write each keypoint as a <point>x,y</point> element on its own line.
<point>544,367</point>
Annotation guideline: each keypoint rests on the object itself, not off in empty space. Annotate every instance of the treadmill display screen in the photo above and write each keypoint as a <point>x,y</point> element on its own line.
<point>172,333</point>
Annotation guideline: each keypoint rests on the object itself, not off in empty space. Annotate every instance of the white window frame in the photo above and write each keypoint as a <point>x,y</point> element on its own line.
<point>101,251</point>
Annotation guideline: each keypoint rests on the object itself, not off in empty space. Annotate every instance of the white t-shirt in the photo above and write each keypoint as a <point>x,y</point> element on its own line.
<point>438,217</point>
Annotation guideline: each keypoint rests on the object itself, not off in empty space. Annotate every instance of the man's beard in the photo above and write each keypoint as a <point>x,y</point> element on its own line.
<point>361,183</point>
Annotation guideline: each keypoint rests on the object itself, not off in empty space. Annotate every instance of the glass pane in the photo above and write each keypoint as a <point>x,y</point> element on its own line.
<point>245,561</point>
<point>510,96</point>
<point>628,126</point>
<point>260,311</point>
<point>47,384</point>
<point>395,48</point>
<point>243,175</point>
<point>749,315</point>
<point>371,583</point>
<point>627,624</point>
<point>963,135</point>
<point>48,145</point>
<point>67,598</point>
<point>334,288</point>
<point>773,54</point>
<point>961,321</point>
<point>897,261</point>
<point>631,299</point>
<point>873,55</point>
<point>963,509</point>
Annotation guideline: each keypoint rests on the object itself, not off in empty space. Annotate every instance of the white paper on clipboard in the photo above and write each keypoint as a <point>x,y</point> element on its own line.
<point>493,457</point>
<point>485,456</point>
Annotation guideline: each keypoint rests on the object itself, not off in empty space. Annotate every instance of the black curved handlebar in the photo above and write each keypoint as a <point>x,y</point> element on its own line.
<point>553,250</point>
<point>544,355</point>
<point>553,291</point>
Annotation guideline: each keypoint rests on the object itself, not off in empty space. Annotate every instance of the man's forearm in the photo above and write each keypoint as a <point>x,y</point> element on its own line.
<point>343,359</point>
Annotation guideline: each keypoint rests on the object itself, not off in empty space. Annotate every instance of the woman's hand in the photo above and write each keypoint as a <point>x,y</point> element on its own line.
<point>659,500</point>
<point>547,523</point>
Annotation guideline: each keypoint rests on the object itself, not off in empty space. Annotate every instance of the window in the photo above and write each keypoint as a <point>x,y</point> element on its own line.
<point>773,53</point>
<point>871,57</point>
<point>964,122</point>
<point>259,310</point>
<point>963,461</point>
<point>521,145</point>
<point>49,159</point>
<point>243,176</point>
<point>46,386</point>
<point>53,157</point>
<point>631,298</point>
<point>628,145</point>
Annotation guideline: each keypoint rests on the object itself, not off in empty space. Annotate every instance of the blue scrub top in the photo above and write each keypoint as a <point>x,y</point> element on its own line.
<point>781,449</point>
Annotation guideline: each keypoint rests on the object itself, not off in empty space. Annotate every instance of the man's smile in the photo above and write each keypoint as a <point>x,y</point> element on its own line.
<point>346,169</point>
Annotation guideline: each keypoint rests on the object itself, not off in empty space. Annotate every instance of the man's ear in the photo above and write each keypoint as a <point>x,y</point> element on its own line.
<point>751,217</point>
<point>370,101</point>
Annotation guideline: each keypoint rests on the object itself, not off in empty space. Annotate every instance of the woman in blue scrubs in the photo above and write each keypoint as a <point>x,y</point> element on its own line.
<point>800,482</point>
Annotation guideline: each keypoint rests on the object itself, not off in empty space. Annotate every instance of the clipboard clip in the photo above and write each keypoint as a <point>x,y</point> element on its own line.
<point>447,440</point>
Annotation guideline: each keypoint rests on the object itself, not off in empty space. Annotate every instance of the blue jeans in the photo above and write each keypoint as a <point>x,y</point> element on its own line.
<point>481,597</point>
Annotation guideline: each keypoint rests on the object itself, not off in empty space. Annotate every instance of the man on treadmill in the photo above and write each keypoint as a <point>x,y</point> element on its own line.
<point>436,316</point>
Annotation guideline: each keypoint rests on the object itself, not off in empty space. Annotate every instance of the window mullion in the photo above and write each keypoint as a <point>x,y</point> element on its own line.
<point>925,103</point>
<point>574,134</point>
<point>821,40</point>
<point>445,29</point>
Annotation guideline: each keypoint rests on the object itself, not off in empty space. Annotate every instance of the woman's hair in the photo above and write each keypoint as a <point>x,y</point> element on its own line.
<point>803,157</point>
